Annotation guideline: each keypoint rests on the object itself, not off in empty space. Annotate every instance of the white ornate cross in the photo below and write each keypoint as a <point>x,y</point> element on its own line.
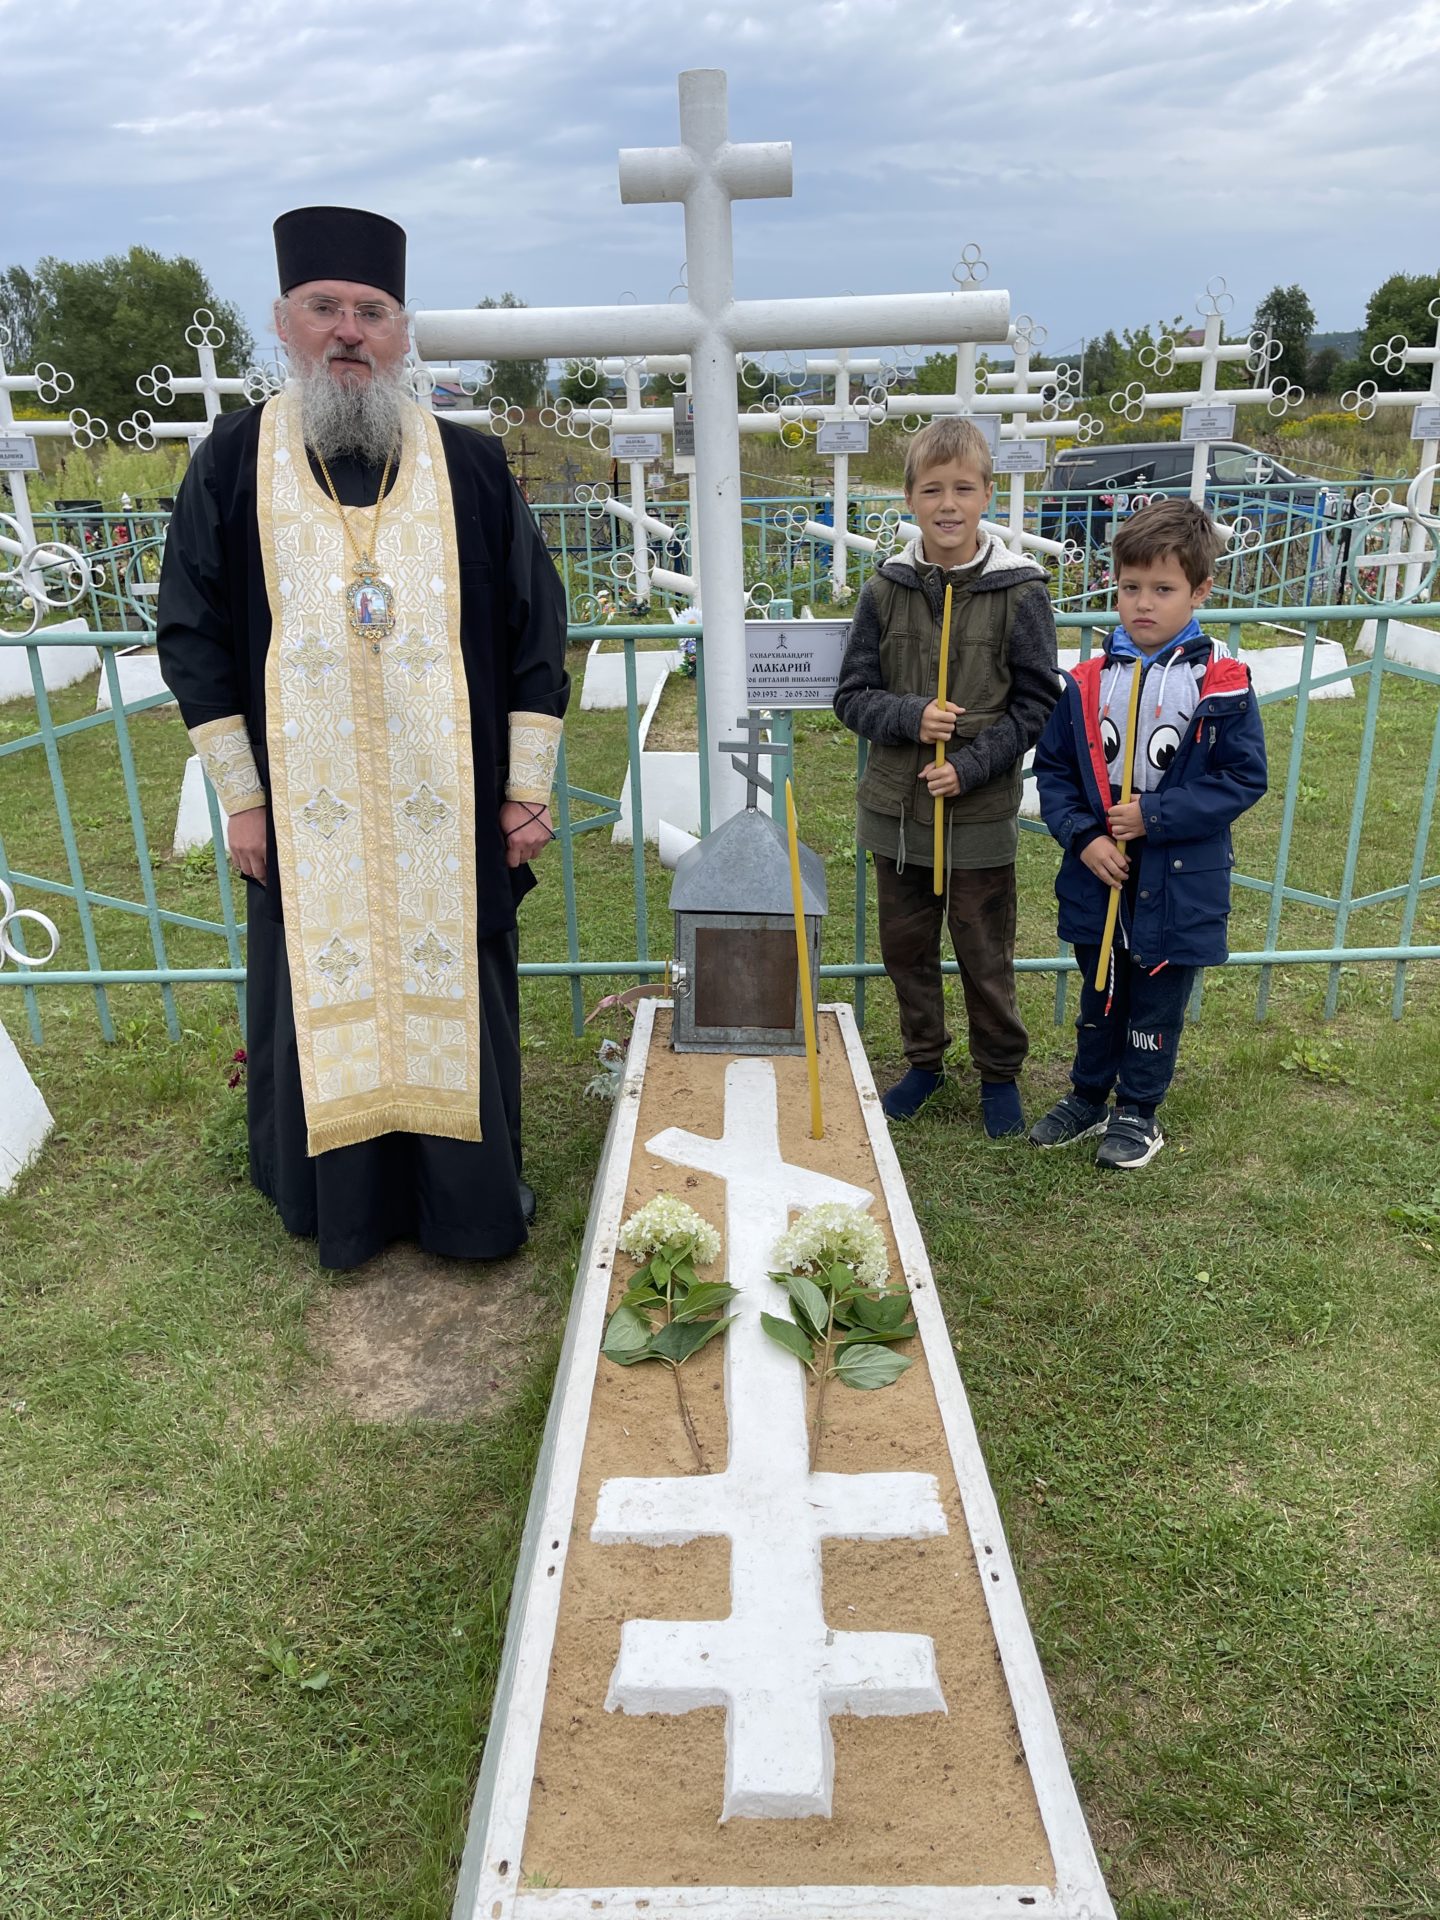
<point>1278,396</point>
<point>1422,535</point>
<point>162,388</point>
<point>39,565</point>
<point>706,173</point>
<point>774,1664</point>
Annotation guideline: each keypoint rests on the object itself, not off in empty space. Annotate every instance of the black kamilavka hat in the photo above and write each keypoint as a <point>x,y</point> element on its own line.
<point>340,243</point>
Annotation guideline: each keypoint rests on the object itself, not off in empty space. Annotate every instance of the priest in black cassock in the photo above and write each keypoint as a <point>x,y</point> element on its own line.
<point>366,637</point>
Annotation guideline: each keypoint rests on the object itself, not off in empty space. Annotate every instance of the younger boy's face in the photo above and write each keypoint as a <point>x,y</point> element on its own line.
<point>1156,601</point>
<point>947,502</point>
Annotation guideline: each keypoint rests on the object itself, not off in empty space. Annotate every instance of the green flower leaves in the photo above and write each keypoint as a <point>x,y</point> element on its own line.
<point>668,1313</point>
<point>869,1367</point>
<point>843,1328</point>
<point>786,1334</point>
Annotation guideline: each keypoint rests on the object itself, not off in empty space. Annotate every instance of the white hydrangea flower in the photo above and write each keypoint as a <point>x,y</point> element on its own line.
<point>831,1233</point>
<point>664,1220</point>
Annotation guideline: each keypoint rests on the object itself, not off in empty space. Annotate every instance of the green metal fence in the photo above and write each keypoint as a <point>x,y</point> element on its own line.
<point>1299,543</point>
<point>193,935</point>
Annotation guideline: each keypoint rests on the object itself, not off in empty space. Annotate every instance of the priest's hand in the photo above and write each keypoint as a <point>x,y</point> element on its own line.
<point>245,833</point>
<point>525,828</point>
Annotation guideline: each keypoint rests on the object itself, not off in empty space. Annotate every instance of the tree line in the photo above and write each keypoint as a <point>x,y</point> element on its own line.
<point>1111,361</point>
<point>107,321</point>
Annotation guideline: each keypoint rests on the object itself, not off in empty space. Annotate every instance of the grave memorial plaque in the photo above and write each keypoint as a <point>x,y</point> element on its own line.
<point>1207,424</point>
<point>793,664</point>
<point>1021,456</point>
<point>844,436</point>
<point>19,453</point>
<point>636,446</point>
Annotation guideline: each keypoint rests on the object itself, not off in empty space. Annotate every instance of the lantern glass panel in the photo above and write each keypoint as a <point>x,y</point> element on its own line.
<point>745,977</point>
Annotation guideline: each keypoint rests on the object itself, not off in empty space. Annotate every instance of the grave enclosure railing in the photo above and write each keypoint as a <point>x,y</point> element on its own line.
<point>583,810</point>
<point>1301,543</point>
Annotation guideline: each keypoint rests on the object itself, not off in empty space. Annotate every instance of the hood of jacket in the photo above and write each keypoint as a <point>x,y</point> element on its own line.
<point>994,569</point>
<point>1195,650</point>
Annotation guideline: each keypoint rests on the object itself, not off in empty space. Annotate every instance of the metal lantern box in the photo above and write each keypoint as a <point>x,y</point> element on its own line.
<point>737,973</point>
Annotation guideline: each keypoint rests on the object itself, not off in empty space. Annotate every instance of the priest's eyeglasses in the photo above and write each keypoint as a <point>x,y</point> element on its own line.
<point>320,311</point>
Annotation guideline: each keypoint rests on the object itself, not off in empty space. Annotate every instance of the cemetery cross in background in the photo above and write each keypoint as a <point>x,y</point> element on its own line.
<point>706,174</point>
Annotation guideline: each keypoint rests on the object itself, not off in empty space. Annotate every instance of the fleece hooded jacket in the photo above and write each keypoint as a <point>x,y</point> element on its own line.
<point>1003,672</point>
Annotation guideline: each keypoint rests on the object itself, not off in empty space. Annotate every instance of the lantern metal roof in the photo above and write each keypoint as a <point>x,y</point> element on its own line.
<point>744,867</point>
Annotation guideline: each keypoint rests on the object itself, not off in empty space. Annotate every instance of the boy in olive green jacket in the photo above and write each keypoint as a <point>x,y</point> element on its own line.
<point>1003,682</point>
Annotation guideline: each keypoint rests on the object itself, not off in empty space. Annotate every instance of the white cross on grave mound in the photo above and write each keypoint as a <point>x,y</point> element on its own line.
<point>774,1665</point>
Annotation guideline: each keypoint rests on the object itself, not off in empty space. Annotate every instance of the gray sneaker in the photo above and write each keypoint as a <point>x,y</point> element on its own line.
<point>1130,1141</point>
<point>1069,1119</point>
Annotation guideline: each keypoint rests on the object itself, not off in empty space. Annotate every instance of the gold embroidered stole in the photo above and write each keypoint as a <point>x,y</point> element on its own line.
<point>373,796</point>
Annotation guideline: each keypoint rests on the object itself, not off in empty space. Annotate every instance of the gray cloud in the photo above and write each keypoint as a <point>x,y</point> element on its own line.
<point>1109,157</point>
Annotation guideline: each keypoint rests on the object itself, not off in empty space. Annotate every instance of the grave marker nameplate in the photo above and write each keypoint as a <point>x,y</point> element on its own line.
<point>793,664</point>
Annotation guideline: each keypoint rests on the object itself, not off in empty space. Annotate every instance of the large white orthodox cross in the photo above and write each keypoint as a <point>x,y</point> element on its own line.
<point>774,1664</point>
<point>706,174</point>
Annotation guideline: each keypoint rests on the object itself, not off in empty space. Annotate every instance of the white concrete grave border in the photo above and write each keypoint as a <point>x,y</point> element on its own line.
<point>25,1120</point>
<point>138,671</point>
<point>669,781</point>
<point>60,667</point>
<point>1406,643</point>
<point>491,1869</point>
<point>603,688</point>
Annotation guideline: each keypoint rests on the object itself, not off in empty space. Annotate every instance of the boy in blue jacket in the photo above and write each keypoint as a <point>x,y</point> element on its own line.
<point>1199,763</point>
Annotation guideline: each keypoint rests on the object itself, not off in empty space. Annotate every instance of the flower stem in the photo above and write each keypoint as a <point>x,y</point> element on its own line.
<point>688,1423</point>
<point>685,1420</point>
<point>817,1425</point>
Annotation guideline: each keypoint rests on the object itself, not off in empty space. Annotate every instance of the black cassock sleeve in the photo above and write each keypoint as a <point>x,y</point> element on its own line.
<point>534,614</point>
<point>195,637</point>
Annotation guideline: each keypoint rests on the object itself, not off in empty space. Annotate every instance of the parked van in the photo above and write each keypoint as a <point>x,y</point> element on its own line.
<point>1079,502</point>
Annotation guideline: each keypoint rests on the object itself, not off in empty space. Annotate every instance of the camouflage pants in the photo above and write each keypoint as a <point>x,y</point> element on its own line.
<point>982,931</point>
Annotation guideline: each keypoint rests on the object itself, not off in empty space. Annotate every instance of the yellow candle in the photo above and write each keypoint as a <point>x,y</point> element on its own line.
<point>802,954</point>
<point>1127,782</point>
<point>941,696</point>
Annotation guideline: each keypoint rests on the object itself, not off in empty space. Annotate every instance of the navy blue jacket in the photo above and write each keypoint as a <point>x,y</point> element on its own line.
<point>1177,907</point>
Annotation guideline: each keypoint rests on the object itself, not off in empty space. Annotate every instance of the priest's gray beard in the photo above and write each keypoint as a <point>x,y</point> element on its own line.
<point>361,417</point>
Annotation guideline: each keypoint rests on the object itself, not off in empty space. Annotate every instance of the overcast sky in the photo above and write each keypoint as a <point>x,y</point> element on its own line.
<point>1109,158</point>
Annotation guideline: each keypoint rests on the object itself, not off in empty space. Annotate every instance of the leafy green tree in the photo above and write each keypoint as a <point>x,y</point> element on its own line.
<point>1101,364</point>
<point>1322,374</point>
<point>580,383</point>
<point>1287,316</point>
<point>756,381</point>
<point>1400,304</point>
<point>936,374</point>
<point>19,314</point>
<point>521,382</point>
<point>108,321</point>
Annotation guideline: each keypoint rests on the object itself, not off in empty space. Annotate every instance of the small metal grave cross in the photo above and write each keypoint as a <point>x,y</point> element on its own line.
<point>745,754</point>
<point>775,1665</point>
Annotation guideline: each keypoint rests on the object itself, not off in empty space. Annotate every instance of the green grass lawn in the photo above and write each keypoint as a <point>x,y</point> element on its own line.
<point>247,1645</point>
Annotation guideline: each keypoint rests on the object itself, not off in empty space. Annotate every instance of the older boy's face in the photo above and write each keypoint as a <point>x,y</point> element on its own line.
<point>947,502</point>
<point>1155,601</point>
